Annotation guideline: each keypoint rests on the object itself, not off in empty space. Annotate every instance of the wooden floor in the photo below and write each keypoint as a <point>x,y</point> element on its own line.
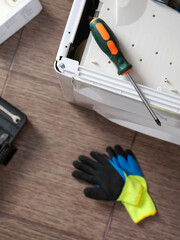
<point>39,199</point>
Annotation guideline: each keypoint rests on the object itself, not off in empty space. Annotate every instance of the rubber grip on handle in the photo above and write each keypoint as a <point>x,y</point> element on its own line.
<point>109,44</point>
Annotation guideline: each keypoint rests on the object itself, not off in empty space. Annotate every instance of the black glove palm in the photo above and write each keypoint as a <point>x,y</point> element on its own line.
<point>101,173</point>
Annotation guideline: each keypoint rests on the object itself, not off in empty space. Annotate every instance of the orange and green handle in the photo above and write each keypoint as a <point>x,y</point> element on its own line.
<point>108,43</point>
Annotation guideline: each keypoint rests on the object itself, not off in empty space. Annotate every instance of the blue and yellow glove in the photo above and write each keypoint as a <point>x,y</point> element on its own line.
<point>109,181</point>
<point>127,162</point>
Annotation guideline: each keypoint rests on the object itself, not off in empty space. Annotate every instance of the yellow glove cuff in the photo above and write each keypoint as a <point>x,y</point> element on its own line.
<point>146,207</point>
<point>132,191</point>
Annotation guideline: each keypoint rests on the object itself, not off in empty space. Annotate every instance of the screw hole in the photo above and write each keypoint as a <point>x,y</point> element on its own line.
<point>109,62</point>
<point>157,53</point>
<point>65,46</point>
<point>108,9</point>
<point>132,45</point>
<point>69,32</point>
<point>140,59</point>
<point>170,63</point>
<point>154,15</point>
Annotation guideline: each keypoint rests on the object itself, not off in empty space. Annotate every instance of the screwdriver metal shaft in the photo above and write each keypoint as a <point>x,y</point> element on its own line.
<point>144,100</point>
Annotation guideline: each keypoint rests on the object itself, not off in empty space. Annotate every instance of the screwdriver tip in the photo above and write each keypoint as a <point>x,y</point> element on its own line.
<point>158,122</point>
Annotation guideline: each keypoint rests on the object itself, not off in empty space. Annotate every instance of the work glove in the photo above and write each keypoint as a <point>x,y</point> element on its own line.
<point>109,181</point>
<point>175,4</point>
<point>127,162</point>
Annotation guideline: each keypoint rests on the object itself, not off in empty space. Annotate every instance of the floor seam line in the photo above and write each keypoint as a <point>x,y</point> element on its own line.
<point>133,141</point>
<point>12,63</point>
<point>109,222</point>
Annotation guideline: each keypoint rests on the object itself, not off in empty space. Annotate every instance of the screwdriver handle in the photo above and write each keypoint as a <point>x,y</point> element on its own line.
<point>108,43</point>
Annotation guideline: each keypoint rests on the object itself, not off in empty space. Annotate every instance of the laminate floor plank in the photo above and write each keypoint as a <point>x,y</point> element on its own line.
<point>38,184</point>
<point>26,229</point>
<point>44,102</point>
<point>39,45</point>
<point>59,9</point>
<point>3,76</point>
<point>7,51</point>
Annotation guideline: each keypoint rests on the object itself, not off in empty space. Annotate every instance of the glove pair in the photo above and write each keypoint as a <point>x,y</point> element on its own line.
<point>116,178</point>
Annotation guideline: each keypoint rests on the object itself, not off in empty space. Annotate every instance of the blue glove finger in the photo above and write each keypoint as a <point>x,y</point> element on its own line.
<point>121,158</point>
<point>134,166</point>
<point>123,164</point>
<point>119,170</point>
<point>115,161</point>
<point>113,156</point>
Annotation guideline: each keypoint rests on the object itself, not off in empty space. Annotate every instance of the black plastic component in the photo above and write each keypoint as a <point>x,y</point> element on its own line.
<point>174,4</point>
<point>7,153</point>
<point>83,29</point>
<point>9,130</point>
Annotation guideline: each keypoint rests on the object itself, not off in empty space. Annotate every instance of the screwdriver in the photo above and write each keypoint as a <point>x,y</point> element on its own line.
<point>109,44</point>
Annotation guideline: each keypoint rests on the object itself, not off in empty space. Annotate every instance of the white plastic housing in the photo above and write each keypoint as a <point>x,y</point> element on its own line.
<point>93,82</point>
<point>14,14</point>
